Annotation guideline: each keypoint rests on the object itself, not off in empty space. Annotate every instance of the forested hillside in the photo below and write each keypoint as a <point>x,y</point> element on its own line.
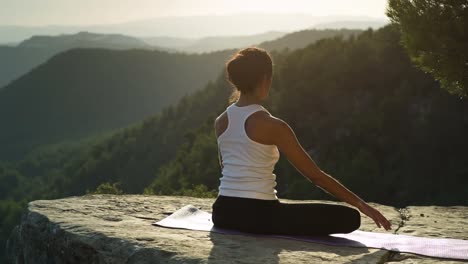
<point>81,92</point>
<point>129,156</point>
<point>368,117</point>
<point>85,91</point>
<point>20,59</point>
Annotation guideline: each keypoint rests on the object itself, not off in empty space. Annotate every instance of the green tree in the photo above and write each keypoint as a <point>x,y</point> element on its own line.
<point>107,188</point>
<point>434,32</point>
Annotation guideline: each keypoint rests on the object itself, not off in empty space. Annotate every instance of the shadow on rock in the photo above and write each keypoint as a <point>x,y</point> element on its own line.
<point>243,248</point>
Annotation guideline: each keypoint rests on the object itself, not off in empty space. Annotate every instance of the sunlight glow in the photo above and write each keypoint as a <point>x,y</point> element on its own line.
<point>81,12</point>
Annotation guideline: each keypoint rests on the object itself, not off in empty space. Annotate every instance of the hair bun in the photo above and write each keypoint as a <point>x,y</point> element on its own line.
<point>247,67</point>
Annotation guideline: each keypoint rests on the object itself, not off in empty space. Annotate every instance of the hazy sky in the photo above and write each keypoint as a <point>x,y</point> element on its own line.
<point>82,12</point>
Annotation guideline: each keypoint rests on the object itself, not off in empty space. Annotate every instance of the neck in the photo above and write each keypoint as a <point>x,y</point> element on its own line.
<point>247,99</point>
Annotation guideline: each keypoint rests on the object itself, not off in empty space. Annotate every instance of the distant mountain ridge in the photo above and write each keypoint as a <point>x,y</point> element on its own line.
<point>18,60</point>
<point>209,44</point>
<point>84,91</point>
<point>301,39</point>
<point>83,40</point>
<point>189,26</point>
<point>363,24</point>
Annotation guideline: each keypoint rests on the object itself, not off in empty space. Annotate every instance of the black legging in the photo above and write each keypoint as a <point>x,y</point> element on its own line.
<point>274,217</point>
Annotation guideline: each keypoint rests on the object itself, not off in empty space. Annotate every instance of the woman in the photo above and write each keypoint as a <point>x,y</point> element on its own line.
<point>249,140</point>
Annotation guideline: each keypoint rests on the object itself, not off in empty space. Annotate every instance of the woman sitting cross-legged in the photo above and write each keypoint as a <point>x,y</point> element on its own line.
<point>249,142</point>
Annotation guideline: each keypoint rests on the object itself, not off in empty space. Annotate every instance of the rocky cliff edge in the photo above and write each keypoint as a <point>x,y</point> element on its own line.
<point>117,229</point>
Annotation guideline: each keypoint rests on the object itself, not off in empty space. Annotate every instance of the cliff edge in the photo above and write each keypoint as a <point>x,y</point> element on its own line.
<point>117,229</point>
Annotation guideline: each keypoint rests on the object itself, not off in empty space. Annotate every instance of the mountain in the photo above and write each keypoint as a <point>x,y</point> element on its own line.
<point>18,60</point>
<point>358,106</point>
<point>208,44</point>
<point>84,40</point>
<point>84,91</point>
<point>188,26</point>
<point>15,61</point>
<point>303,38</point>
<point>174,42</point>
<point>352,24</point>
<point>9,44</point>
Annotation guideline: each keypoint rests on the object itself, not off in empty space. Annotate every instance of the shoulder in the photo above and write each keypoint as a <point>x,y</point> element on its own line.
<point>272,130</point>
<point>267,120</point>
<point>267,124</point>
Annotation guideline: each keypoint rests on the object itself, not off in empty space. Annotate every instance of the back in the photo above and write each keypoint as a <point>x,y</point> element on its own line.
<point>247,165</point>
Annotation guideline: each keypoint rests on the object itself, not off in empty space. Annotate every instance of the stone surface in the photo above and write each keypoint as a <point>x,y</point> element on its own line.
<point>433,221</point>
<point>117,229</point>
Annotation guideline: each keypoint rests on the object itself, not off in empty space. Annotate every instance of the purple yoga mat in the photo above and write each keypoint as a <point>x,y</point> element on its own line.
<point>190,217</point>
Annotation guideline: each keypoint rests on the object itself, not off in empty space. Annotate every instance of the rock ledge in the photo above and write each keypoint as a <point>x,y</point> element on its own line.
<point>117,229</point>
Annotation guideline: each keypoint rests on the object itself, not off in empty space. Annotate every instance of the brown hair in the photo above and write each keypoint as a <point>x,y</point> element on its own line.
<point>246,68</point>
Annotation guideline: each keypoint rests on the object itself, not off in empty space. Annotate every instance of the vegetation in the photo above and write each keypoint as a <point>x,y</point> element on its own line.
<point>107,188</point>
<point>369,118</point>
<point>85,91</point>
<point>434,34</point>
<point>18,60</point>
<point>380,126</point>
<point>373,121</point>
<point>63,98</point>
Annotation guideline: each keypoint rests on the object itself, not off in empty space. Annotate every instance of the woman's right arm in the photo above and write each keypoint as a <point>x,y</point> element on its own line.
<point>286,141</point>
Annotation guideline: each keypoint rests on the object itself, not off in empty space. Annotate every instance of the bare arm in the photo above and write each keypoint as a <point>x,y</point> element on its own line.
<point>286,141</point>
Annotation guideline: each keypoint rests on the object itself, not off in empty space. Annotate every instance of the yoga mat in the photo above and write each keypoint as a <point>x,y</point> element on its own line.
<point>190,217</point>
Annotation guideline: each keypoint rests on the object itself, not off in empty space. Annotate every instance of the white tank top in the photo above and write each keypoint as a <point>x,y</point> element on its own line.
<point>247,165</point>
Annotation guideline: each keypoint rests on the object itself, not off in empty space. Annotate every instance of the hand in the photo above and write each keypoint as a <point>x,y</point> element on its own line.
<point>378,218</point>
